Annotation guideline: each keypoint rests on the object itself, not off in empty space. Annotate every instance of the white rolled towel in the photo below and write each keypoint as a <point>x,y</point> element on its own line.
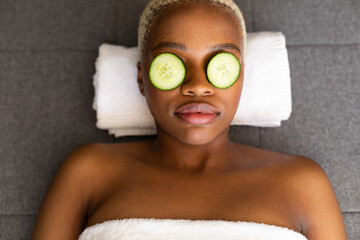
<point>265,99</point>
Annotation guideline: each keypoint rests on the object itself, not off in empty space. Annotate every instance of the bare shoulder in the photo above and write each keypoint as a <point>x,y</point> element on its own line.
<point>282,161</point>
<point>95,156</point>
<point>305,176</point>
<point>83,162</point>
<point>66,201</point>
<point>297,173</point>
<point>307,190</point>
<point>102,163</point>
<point>79,166</point>
<point>82,158</point>
<point>316,200</point>
<point>307,171</point>
<point>301,169</point>
<point>267,158</point>
<point>312,196</point>
<point>87,171</point>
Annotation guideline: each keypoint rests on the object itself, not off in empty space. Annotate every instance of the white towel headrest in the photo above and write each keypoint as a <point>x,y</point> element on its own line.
<point>265,99</point>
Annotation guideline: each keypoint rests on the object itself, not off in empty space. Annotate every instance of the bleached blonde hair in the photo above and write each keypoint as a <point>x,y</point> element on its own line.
<point>154,8</point>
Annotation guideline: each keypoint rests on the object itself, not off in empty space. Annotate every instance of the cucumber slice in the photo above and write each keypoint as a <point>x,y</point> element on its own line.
<point>167,71</point>
<point>223,70</point>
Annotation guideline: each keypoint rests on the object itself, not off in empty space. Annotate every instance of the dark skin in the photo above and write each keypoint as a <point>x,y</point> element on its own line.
<point>190,171</point>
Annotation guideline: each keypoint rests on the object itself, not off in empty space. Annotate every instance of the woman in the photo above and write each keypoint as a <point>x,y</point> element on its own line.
<point>191,170</point>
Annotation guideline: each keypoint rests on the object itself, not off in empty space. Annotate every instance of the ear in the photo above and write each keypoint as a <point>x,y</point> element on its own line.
<point>140,79</point>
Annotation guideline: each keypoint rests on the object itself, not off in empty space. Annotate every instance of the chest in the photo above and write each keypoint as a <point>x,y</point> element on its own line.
<point>234,197</point>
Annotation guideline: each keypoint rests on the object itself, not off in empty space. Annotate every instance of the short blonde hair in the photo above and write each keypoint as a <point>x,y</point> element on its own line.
<point>154,8</point>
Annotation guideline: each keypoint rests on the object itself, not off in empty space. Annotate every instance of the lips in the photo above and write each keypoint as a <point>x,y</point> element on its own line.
<point>197,113</point>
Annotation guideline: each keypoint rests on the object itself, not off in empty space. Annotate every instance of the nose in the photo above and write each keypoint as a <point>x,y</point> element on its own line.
<point>197,85</point>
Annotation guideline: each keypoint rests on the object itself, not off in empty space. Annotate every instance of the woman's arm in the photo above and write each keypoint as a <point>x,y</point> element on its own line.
<point>63,211</point>
<point>323,217</point>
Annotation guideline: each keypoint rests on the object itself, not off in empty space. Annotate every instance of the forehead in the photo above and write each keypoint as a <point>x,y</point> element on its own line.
<point>195,25</point>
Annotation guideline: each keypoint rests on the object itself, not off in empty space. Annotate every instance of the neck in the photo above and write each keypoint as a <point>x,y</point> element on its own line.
<point>170,152</point>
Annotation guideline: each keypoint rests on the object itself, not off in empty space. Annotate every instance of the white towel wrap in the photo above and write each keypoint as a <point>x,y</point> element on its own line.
<point>180,229</point>
<point>265,100</point>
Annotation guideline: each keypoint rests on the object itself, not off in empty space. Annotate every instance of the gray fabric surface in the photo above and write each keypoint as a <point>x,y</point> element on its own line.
<point>46,99</point>
<point>66,24</point>
<point>309,21</point>
<point>127,21</point>
<point>352,222</point>
<point>16,227</point>
<point>47,54</point>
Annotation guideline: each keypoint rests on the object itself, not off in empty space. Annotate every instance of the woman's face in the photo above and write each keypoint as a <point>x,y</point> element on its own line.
<point>195,33</point>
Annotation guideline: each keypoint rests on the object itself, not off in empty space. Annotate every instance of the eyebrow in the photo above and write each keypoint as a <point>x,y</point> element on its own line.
<point>224,46</point>
<point>182,46</point>
<point>175,45</point>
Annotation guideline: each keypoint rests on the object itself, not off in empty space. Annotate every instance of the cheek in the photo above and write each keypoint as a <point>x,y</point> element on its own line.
<point>158,101</point>
<point>153,100</point>
<point>239,85</point>
<point>233,102</point>
<point>235,91</point>
<point>233,97</point>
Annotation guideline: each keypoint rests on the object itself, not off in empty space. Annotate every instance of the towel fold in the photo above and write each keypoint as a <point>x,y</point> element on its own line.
<point>265,99</point>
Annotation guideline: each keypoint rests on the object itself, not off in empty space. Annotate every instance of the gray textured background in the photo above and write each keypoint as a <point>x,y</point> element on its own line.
<point>47,54</point>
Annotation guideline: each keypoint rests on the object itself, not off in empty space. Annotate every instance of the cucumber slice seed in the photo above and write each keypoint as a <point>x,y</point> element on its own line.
<point>223,70</point>
<point>167,71</point>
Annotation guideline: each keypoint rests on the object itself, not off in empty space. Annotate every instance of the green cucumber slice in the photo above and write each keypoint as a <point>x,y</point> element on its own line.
<point>167,71</point>
<point>223,70</point>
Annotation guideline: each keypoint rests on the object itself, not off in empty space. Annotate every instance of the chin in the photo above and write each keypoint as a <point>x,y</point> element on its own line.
<point>197,136</point>
<point>193,135</point>
<point>196,140</point>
